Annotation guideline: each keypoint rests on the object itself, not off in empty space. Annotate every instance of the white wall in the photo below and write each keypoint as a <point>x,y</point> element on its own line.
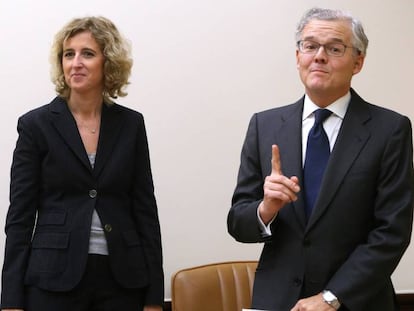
<point>202,68</point>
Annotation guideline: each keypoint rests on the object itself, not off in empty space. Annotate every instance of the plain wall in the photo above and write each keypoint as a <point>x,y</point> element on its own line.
<point>201,69</point>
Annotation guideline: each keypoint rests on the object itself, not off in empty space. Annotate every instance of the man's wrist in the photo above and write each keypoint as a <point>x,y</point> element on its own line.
<point>331,299</point>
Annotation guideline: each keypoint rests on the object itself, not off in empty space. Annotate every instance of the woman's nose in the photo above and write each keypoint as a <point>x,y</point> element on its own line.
<point>77,60</point>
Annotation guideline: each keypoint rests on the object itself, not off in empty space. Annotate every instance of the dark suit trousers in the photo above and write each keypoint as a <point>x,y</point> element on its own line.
<point>97,291</point>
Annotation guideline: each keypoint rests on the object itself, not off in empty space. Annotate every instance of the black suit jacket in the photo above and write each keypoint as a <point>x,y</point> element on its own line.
<point>361,222</point>
<point>54,191</point>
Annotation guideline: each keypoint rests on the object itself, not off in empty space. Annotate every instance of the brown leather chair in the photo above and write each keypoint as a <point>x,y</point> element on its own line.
<point>225,286</point>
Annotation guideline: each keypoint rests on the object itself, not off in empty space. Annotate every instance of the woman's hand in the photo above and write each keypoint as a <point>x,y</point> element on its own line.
<point>152,308</point>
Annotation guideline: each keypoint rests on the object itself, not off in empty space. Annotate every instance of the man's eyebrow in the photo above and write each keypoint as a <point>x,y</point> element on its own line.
<point>329,40</point>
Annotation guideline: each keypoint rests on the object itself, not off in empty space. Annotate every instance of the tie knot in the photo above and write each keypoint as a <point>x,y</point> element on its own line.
<point>321,115</point>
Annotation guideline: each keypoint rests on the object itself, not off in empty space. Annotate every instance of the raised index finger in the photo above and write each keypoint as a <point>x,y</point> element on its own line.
<point>276,165</point>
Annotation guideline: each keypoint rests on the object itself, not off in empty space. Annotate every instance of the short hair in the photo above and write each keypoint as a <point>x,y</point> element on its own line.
<point>116,51</point>
<point>359,38</point>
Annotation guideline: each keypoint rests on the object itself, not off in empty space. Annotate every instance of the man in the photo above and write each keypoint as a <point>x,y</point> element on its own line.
<point>332,243</point>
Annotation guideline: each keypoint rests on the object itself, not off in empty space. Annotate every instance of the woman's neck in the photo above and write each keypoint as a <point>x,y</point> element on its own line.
<point>88,107</point>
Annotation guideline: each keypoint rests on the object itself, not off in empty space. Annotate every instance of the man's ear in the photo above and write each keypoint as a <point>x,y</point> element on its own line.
<point>358,63</point>
<point>297,59</point>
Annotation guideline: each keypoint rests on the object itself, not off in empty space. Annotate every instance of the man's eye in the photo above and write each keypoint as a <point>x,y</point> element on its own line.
<point>310,46</point>
<point>335,49</point>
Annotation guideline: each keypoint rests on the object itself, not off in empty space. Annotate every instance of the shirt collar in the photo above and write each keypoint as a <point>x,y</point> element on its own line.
<point>338,107</point>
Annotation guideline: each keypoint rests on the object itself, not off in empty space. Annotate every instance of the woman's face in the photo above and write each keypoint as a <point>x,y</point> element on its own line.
<point>83,64</point>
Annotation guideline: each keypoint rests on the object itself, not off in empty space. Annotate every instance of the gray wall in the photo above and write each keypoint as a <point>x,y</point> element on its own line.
<point>202,68</point>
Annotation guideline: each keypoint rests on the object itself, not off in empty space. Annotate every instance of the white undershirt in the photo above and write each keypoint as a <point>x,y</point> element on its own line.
<point>97,240</point>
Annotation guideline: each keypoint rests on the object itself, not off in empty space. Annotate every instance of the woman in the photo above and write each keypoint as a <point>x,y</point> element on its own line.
<point>82,226</point>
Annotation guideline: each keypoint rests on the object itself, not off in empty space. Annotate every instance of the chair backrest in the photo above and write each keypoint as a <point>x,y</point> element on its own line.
<point>225,286</point>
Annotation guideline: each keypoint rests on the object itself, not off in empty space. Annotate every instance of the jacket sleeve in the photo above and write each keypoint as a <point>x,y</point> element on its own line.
<point>242,219</point>
<point>371,264</point>
<point>146,216</point>
<point>20,221</point>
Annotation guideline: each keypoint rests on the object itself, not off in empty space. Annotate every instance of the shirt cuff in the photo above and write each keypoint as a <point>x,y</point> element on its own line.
<point>263,228</point>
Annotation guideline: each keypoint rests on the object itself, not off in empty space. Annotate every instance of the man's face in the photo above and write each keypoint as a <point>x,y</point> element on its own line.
<point>324,75</point>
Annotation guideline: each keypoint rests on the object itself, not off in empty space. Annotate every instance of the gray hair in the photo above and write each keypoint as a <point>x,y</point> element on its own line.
<point>359,38</point>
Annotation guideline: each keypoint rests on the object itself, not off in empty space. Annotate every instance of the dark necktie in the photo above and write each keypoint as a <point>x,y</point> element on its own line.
<point>317,155</point>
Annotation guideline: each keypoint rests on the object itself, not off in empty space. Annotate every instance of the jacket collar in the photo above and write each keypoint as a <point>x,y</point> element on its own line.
<point>352,137</point>
<point>65,124</point>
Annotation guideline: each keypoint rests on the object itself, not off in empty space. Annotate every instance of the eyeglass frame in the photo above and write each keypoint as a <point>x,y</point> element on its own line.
<point>319,45</point>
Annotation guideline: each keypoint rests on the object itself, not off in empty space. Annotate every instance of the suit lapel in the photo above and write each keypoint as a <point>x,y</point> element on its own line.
<point>351,139</point>
<point>65,124</point>
<point>289,139</point>
<point>111,124</point>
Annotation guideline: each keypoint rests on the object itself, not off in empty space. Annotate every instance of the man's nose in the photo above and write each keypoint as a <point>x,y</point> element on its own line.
<point>321,54</point>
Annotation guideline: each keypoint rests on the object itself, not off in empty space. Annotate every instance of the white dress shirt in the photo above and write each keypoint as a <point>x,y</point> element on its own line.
<point>331,126</point>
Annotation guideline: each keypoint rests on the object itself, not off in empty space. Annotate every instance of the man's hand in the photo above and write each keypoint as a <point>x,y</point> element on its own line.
<point>314,303</point>
<point>278,189</point>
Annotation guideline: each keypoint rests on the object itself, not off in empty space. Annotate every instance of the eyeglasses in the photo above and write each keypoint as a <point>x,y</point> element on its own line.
<point>336,49</point>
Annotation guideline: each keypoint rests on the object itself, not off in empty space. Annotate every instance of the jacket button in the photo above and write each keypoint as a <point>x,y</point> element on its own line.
<point>93,193</point>
<point>108,228</point>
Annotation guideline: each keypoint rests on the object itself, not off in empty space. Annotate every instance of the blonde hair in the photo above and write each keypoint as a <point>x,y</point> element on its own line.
<point>116,51</point>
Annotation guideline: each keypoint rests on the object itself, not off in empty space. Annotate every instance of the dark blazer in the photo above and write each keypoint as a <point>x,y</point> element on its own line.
<point>361,222</point>
<point>54,191</point>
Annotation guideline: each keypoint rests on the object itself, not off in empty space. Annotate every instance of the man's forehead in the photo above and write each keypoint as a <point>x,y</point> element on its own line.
<point>332,30</point>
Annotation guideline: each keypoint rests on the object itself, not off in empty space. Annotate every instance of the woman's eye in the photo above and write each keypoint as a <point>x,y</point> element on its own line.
<point>68,54</point>
<point>88,54</point>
